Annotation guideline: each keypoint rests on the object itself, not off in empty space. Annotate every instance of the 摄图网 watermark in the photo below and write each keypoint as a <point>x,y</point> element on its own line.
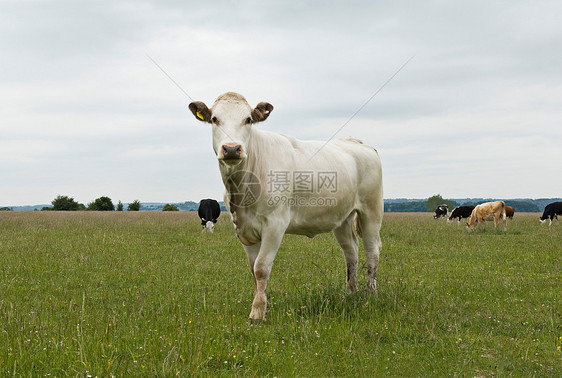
<point>301,201</point>
<point>280,182</point>
<point>284,188</point>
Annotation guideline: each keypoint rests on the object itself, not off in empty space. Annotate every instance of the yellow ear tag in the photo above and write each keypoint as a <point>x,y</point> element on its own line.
<point>200,116</point>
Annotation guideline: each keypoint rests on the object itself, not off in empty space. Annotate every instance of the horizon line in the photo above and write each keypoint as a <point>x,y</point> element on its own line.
<point>395,198</point>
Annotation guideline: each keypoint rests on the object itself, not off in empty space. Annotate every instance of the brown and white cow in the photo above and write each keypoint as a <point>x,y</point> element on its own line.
<point>488,211</point>
<point>276,184</point>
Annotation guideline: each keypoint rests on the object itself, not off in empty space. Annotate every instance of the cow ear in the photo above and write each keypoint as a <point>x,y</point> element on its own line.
<point>200,111</point>
<point>261,112</point>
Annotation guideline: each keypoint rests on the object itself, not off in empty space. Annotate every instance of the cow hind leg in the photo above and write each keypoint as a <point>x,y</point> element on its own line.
<point>350,247</point>
<point>371,225</point>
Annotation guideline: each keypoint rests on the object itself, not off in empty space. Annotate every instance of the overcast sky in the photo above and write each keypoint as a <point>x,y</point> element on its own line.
<point>85,113</point>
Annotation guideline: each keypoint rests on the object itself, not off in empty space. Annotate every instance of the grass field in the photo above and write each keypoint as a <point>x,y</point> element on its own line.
<point>144,293</point>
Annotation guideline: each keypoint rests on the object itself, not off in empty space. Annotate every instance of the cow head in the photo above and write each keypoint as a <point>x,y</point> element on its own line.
<point>209,226</point>
<point>232,120</point>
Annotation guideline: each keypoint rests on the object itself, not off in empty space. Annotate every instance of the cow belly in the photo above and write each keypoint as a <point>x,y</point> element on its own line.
<point>311,221</point>
<point>311,230</point>
<point>249,233</point>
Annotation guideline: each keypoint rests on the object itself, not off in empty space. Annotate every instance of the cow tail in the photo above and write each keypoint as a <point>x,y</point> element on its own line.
<point>357,226</point>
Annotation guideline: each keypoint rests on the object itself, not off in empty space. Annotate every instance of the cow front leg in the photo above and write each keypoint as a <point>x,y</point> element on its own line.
<point>252,252</point>
<point>262,269</point>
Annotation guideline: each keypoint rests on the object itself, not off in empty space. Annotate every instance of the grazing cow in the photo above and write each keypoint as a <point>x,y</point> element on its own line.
<point>441,211</point>
<point>509,211</point>
<point>276,184</point>
<point>488,211</point>
<point>552,210</point>
<point>461,212</point>
<point>209,211</point>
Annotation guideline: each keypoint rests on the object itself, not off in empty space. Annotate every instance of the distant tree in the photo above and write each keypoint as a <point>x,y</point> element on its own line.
<point>46,208</point>
<point>134,206</point>
<point>169,207</point>
<point>101,204</point>
<point>120,206</point>
<point>436,200</point>
<point>65,203</point>
<point>6,209</point>
<point>405,207</point>
<point>523,206</point>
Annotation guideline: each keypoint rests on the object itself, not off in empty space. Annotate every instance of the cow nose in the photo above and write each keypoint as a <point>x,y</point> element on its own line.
<point>231,151</point>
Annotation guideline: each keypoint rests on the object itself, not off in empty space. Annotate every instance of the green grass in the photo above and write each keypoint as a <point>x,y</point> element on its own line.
<point>146,293</point>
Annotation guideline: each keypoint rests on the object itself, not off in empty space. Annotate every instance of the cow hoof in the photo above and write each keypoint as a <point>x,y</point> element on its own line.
<point>352,288</point>
<point>258,315</point>
<point>255,321</point>
<point>371,287</point>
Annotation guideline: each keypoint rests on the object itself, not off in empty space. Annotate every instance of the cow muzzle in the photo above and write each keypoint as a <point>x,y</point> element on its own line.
<point>231,151</point>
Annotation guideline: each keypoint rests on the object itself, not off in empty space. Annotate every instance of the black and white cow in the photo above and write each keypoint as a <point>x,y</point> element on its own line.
<point>552,210</point>
<point>209,211</point>
<point>441,211</point>
<point>461,212</point>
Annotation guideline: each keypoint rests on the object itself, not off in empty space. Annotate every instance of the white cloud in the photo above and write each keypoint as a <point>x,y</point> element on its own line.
<point>28,151</point>
<point>154,152</point>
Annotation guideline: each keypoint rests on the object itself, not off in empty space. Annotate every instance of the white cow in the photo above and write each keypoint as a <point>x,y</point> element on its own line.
<point>276,184</point>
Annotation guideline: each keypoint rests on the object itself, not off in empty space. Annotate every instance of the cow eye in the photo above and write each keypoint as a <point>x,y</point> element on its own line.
<point>248,121</point>
<point>214,119</point>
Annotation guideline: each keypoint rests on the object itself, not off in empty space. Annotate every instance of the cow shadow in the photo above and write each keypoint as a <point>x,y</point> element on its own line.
<point>334,301</point>
<point>483,230</point>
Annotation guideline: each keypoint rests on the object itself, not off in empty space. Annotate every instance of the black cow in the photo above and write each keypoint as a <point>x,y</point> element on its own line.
<point>461,212</point>
<point>441,211</point>
<point>552,210</point>
<point>209,211</point>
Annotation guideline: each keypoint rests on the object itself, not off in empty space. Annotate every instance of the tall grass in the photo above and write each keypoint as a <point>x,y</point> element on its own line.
<point>145,293</point>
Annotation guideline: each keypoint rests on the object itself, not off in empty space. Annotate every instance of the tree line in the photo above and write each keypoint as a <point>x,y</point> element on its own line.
<point>103,203</point>
<point>432,202</point>
<point>65,203</point>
